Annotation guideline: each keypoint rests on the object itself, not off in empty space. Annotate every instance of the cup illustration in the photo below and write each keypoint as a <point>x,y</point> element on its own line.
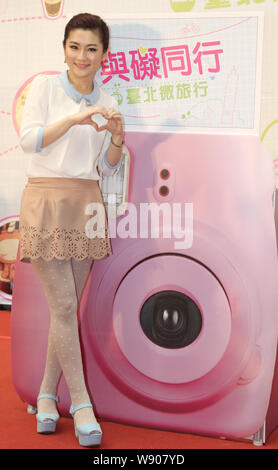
<point>9,241</point>
<point>52,8</point>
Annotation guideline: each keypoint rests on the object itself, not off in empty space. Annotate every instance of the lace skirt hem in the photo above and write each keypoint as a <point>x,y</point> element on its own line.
<point>63,218</point>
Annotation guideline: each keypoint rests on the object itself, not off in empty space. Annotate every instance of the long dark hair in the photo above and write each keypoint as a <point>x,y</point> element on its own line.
<point>88,21</point>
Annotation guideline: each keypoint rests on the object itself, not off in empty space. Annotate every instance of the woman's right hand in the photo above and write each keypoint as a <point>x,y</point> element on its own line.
<point>85,116</point>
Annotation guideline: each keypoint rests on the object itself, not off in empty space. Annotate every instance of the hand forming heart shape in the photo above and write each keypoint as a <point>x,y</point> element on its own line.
<point>109,119</point>
<point>99,120</point>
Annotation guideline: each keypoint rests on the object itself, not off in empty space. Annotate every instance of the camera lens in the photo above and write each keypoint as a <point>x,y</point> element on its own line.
<point>171,319</point>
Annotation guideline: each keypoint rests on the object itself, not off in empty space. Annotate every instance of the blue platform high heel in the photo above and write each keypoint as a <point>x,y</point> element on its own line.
<point>84,433</point>
<point>44,426</point>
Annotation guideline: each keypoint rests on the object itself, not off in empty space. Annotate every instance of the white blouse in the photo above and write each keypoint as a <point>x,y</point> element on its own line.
<point>81,151</point>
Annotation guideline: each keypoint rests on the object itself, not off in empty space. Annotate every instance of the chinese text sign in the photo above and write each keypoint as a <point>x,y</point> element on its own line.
<point>184,73</point>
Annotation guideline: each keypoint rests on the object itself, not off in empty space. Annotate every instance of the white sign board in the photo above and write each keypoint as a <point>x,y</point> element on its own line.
<point>186,73</point>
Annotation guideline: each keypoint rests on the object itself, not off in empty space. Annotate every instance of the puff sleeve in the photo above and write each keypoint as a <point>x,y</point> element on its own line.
<point>34,115</point>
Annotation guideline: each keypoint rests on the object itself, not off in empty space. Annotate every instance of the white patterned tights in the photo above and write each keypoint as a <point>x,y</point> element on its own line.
<point>63,282</point>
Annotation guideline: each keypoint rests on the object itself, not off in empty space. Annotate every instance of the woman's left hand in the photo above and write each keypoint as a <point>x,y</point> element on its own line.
<point>114,122</point>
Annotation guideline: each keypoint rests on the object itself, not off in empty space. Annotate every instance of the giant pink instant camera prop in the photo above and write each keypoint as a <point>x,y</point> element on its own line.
<point>177,338</point>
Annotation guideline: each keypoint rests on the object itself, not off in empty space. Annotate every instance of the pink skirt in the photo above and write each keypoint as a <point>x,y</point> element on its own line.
<point>63,218</point>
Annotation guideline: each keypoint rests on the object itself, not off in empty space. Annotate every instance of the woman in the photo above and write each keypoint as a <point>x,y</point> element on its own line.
<point>70,153</point>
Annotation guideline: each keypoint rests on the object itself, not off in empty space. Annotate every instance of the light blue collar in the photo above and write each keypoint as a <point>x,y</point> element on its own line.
<point>74,94</point>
